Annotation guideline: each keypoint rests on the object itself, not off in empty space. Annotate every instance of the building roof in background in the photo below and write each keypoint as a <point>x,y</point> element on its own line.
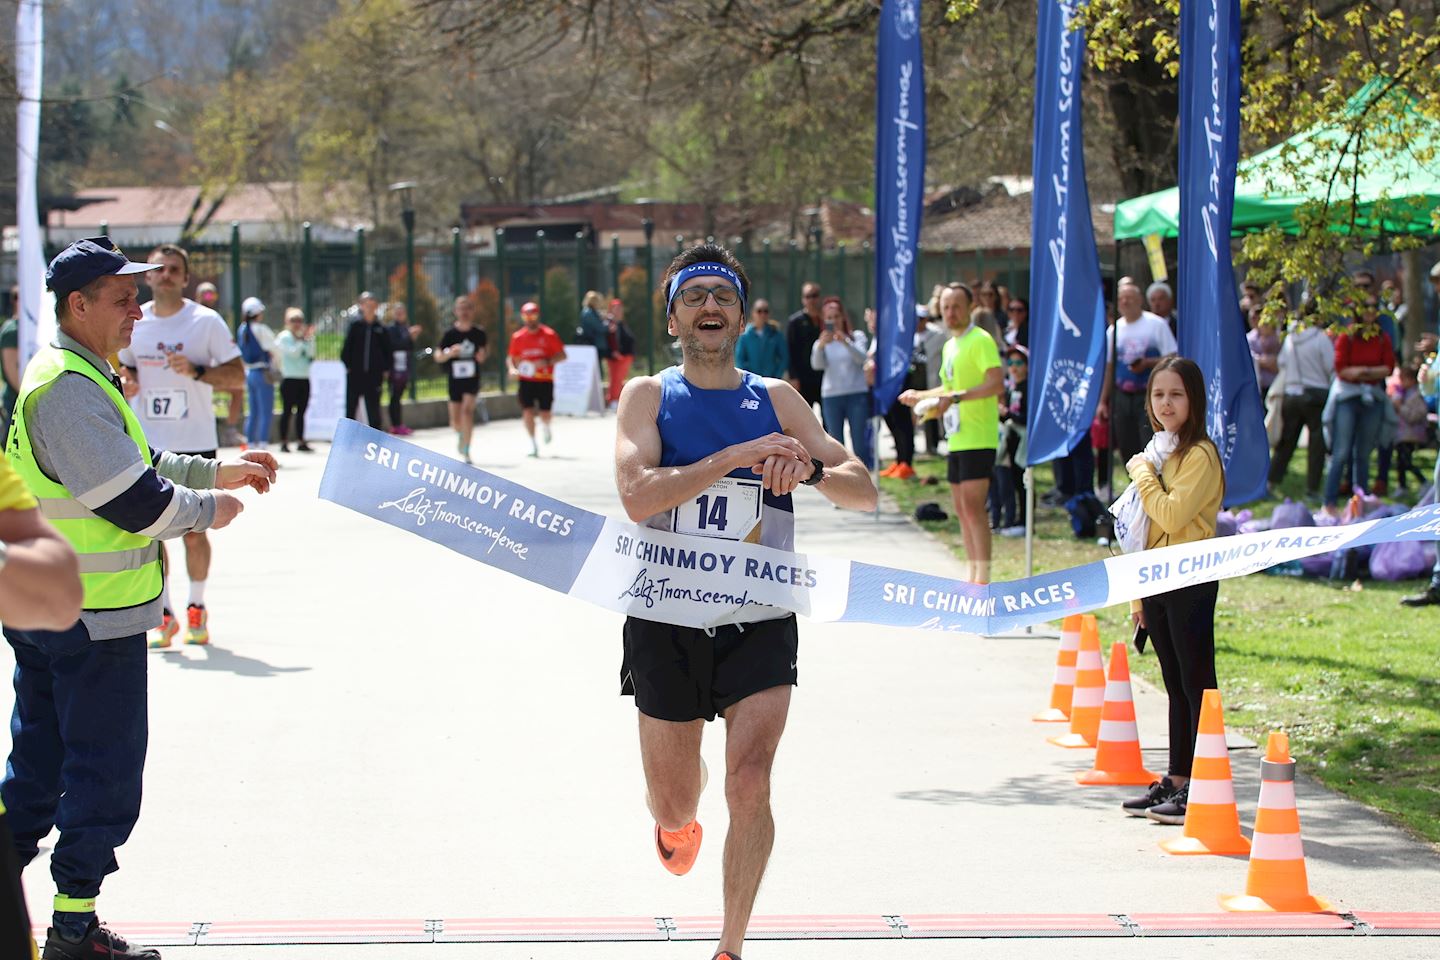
<point>970,220</point>
<point>265,211</point>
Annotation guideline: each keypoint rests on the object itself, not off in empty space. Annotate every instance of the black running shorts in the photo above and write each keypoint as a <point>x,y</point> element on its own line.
<point>682,673</point>
<point>459,388</point>
<point>536,393</point>
<point>962,465</point>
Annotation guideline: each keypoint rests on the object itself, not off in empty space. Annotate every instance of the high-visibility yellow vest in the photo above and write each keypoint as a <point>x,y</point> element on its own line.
<point>118,569</point>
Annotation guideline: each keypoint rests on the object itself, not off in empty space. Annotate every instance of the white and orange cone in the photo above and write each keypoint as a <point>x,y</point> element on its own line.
<point>1089,695</point>
<point>1276,881</point>
<point>1117,748</point>
<point>1212,821</point>
<point>1063,686</point>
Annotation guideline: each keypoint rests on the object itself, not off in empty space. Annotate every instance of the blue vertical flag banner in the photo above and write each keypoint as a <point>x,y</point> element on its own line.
<point>899,182</point>
<point>1067,304</point>
<point>1212,332</point>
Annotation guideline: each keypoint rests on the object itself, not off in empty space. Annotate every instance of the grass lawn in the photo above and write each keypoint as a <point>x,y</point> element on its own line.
<point>1352,676</point>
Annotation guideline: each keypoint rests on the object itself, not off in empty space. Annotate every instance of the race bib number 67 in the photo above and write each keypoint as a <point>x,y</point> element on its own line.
<point>166,404</point>
<point>729,509</point>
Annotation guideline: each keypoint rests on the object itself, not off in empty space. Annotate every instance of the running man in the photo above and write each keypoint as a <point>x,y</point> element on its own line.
<point>180,354</point>
<point>687,437</point>
<point>534,351</point>
<point>462,351</point>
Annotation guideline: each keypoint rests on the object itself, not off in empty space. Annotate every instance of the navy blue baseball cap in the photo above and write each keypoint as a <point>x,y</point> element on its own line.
<point>86,261</point>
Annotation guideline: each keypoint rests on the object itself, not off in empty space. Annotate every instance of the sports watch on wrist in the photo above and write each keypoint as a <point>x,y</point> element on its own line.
<point>817,476</point>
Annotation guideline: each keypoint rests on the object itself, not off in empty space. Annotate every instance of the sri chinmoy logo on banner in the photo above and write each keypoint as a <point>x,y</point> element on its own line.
<point>1222,434</point>
<point>907,18</point>
<point>1069,386</point>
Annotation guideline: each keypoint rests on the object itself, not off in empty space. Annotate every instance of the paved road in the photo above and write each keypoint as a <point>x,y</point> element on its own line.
<point>385,729</point>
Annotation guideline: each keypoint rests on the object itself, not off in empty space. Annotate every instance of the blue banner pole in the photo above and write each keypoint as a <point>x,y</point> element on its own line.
<point>899,182</point>
<point>1212,332</point>
<point>1067,303</point>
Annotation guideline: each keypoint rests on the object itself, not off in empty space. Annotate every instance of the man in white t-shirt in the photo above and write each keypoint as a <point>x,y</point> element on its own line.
<point>1143,339</point>
<point>180,354</point>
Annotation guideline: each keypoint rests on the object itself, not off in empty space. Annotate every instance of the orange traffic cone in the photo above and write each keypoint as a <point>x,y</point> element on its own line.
<point>1089,694</point>
<point>1212,823</point>
<point>1117,750</point>
<point>1064,685</point>
<point>1277,864</point>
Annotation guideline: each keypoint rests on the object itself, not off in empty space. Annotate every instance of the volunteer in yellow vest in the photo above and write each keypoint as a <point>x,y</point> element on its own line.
<point>971,378</point>
<point>39,589</point>
<point>80,724</point>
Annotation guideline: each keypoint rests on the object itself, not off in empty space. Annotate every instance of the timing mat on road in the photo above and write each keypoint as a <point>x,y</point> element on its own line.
<point>808,927</point>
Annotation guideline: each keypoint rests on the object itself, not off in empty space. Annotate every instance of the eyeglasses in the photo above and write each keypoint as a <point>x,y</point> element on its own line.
<point>809,296</point>
<point>724,294</point>
<point>761,310</point>
<point>1016,363</point>
<point>1015,308</point>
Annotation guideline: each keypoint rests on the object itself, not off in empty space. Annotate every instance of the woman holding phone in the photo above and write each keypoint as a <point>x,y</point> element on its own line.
<point>844,396</point>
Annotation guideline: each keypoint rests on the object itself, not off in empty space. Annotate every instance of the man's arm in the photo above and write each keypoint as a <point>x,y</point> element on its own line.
<point>646,488</point>
<point>40,579</point>
<point>230,375</point>
<point>80,441</point>
<point>10,362</point>
<point>846,482</point>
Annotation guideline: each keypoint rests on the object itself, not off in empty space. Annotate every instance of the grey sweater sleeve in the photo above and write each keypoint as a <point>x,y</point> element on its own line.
<point>79,439</point>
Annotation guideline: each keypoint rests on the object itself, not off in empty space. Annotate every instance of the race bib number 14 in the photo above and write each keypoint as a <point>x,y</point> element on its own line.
<point>728,509</point>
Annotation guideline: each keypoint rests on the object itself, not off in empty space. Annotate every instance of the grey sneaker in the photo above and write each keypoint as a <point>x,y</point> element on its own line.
<point>1172,811</point>
<point>1159,792</point>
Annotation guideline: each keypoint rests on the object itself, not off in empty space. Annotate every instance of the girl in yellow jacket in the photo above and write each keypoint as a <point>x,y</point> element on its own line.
<point>1181,501</point>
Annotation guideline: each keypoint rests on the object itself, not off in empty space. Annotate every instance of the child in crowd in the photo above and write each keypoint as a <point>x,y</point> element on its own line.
<point>1414,424</point>
<point>1007,487</point>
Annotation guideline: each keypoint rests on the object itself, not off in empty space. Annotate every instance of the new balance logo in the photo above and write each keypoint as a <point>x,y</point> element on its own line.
<point>749,404</point>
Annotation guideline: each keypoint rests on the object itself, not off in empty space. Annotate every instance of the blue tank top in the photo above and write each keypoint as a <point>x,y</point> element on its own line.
<point>695,423</point>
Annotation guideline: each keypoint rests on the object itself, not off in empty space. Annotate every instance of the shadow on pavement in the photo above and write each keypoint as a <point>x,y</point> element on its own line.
<point>218,658</point>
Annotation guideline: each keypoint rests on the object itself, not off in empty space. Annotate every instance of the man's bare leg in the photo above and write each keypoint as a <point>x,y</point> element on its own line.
<point>967,535</point>
<point>974,517</point>
<point>197,556</point>
<point>670,754</point>
<point>752,732</point>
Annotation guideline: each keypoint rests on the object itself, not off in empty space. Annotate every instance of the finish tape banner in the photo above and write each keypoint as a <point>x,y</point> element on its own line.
<point>702,582</point>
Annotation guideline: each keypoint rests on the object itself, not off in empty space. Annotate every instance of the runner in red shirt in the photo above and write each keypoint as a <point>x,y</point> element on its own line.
<point>534,351</point>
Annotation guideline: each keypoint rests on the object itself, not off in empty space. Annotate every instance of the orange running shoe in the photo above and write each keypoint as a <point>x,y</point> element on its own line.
<point>199,629</point>
<point>159,638</point>
<point>678,850</point>
<point>903,471</point>
<point>889,471</point>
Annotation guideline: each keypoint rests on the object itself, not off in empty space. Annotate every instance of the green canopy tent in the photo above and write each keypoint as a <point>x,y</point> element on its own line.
<point>1395,191</point>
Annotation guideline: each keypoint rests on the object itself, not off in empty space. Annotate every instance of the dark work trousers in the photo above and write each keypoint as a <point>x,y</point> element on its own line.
<point>398,383</point>
<point>902,427</point>
<point>1130,428</point>
<point>1181,624</point>
<point>78,752</point>
<point>14,918</point>
<point>1302,411</point>
<point>368,390</point>
<point>294,398</point>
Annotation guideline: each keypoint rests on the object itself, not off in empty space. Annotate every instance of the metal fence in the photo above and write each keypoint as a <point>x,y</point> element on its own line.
<point>325,279</point>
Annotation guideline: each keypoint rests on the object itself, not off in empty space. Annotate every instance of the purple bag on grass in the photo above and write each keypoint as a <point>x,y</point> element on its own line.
<point>1402,559</point>
<point>1291,514</point>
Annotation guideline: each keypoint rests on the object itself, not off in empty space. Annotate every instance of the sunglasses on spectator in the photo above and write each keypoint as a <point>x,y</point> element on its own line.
<point>810,296</point>
<point>725,295</point>
<point>1015,362</point>
<point>762,310</point>
<point>1015,308</point>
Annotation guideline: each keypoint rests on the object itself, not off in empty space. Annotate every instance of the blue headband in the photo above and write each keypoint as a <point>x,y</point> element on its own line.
<point>705,269</point>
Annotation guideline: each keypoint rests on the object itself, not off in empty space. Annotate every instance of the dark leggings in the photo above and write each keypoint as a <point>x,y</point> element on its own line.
<point>294,397</point>
<point>902,427</point>
<point>398,382</point>
<point>1181,624</point>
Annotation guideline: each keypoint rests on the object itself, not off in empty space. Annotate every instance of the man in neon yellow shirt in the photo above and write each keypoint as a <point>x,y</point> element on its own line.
<point>971,378</point>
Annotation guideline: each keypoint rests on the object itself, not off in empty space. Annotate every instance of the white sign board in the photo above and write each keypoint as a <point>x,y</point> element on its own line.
<point>577,382</point>
<point>327,399</point>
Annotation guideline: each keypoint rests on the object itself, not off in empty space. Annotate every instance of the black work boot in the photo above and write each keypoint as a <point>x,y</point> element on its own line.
<point>1430,597</point>
<point>98,943</point>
